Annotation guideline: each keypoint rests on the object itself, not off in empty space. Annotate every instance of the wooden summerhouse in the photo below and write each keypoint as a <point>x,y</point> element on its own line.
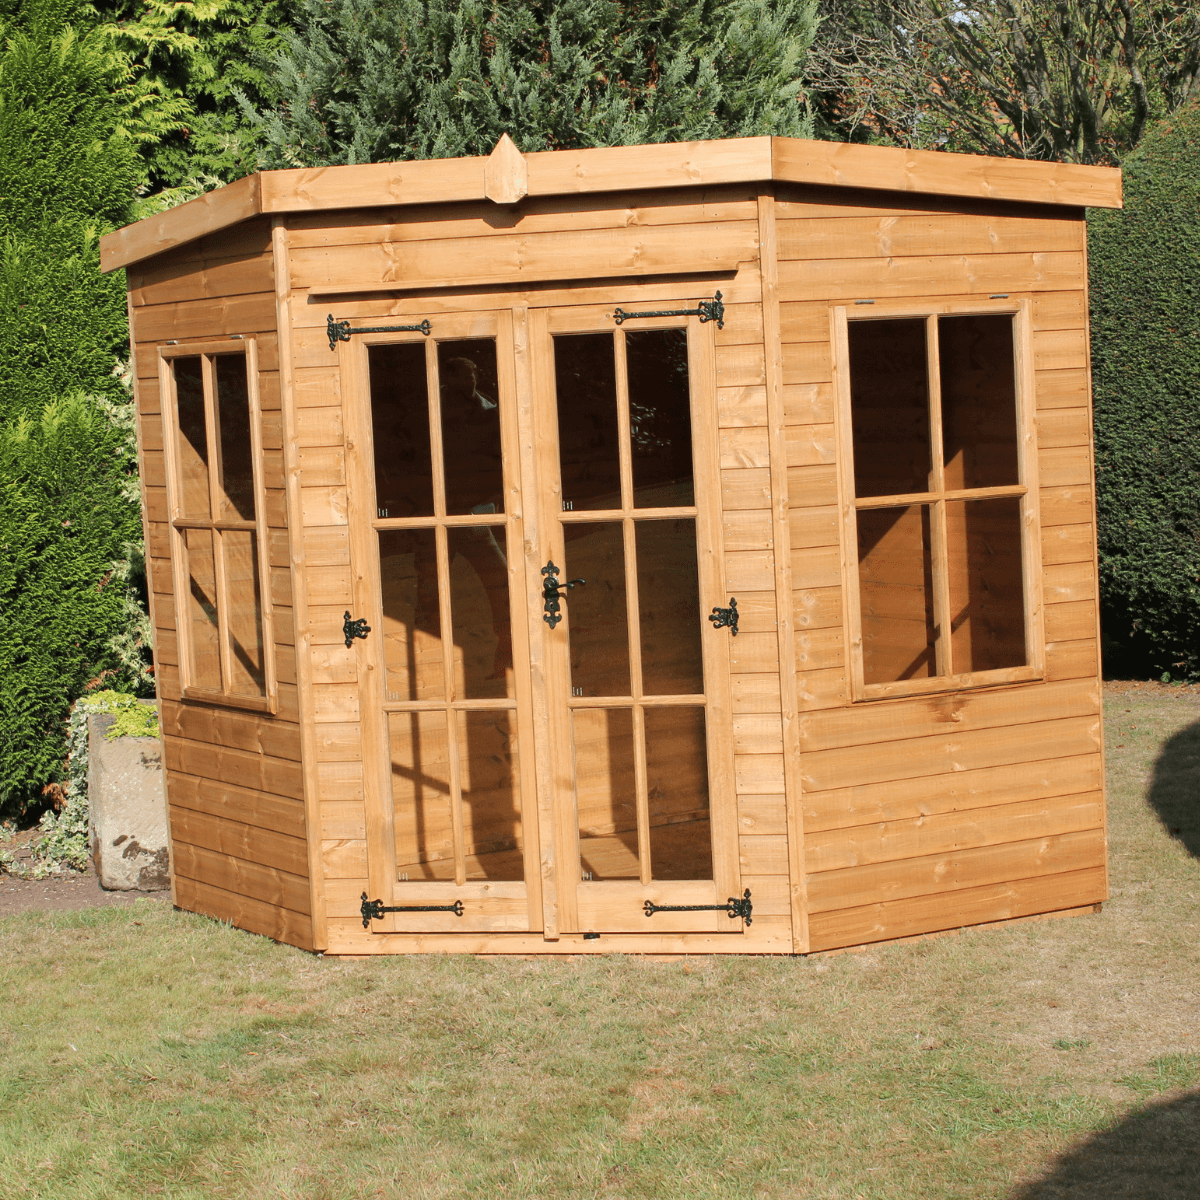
<point>677,548</point>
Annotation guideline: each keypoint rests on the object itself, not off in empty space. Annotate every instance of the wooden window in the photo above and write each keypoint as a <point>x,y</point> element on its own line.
<point>213,443</point>
<point>939,498</point>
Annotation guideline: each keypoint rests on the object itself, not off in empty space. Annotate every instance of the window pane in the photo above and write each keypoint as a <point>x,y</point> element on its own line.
<point>412,626</point>
<point>487,756</point>
<point>202,609</point>
<point>193,440</point>
<point>605,793</point>
<point>895,572</point>
<point>585,380</point>
<point>400,429</point>
<point>889,404</point>
<point>598,624</point>
<point>233,422</point>
<point>244,601</point>
<point>987,611</point>
<point>669,607</point>
<point>420,755</point>
<point>979,401</point>
<point>677,781</point>
<point>479,613</point>
<point>470,410</point>
<point>660,417</point>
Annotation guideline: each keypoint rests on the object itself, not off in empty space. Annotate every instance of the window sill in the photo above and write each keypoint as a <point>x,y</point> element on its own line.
<point>947,683</point>
<point>262,704</point>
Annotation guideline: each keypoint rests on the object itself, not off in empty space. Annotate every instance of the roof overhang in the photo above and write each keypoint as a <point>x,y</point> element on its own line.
<point>619,168</point>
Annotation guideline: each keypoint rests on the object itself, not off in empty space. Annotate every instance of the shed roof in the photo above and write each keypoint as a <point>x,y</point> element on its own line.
<point>619,168</point>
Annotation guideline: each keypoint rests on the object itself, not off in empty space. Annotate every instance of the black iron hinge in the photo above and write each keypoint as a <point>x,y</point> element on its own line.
<point>726,617</point>
<point>372,910</point>
<point>733,907</point>
<point>340,331</point>
<point>352,629</point>
<point>706,310</point>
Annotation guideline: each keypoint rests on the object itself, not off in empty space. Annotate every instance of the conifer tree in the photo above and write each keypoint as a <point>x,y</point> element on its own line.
<point>380,80</point>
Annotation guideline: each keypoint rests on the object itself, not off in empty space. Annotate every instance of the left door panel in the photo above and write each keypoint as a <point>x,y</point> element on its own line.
<point>436,537</point>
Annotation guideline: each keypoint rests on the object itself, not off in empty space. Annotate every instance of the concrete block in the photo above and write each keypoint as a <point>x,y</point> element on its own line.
<point>128,802</point>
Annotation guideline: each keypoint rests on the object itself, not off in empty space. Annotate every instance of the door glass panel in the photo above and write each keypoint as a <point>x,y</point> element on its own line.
<point>889,405</point>
<point>606,793</point>
<point>586,386</point>
<point>233,423</point>
<point>598,619</point>
<point>979,401</point>
<point>669,607</point>
<point>470,411</point>
<point>895,571</point>
<point>193,441</point>
<point>247,668</point>
<point>400,430</point>
<point>677,785</point>
<point>660,418</point>
<point>412,627</point>
<point>479,613</point>
<point>987,609</point>
<point>487,755</point>
<point>202,608</point>
<point>420,758</point>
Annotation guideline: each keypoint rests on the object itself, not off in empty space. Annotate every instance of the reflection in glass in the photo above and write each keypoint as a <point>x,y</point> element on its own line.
<point>193,441</point>
<point>202,608</point>
<point>233,423</point>
<point>400,430</point>
<point>677,782</point>
<point>470,427</point>
<point>987,610</point>
<point>979,401</point>
<point>479,613</point>
<point>669,607</point>
<point>889,404</point>
<point>597,615</point>
<point>412,627</point>
<point>586,386</point>
<point>660,418</point>
<point>247,667</point>
<point>420,758</point>
<point>487,755</point>
<point>605,792</point>
<point>895,572</point>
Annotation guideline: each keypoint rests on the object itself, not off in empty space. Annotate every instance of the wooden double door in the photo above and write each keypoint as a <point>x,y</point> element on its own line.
<point>535,532</point>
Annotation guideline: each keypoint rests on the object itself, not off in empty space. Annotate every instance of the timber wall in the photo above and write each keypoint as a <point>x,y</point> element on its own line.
<point>235,797</point>
<point>938,811</point>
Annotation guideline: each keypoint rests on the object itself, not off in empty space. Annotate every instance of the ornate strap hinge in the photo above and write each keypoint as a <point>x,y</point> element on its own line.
<point>733,907</point>
<point>706,310</point>
<point>726,617</point>
<point>352,629</point>
<point>372,910</point>
<point>340,331</point>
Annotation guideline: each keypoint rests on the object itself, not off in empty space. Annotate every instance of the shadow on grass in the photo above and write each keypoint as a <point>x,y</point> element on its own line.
<point>1175,788</point>
<point>1153,1154</point>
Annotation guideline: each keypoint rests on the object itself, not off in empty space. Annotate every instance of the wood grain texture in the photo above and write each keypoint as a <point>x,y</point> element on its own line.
<point>255,916</point>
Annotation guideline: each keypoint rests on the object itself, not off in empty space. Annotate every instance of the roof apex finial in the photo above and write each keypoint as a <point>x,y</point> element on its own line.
<point>506,177</point>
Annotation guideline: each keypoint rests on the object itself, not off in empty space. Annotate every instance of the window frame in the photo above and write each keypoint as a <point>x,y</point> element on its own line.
<point>1026,490</point>
<point>247,348</point>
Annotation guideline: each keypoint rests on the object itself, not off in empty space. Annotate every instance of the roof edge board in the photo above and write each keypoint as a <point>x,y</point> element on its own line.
<point>617,168</point>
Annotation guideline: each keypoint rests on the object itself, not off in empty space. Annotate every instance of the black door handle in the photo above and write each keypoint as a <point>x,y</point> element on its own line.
<point>551,590</point>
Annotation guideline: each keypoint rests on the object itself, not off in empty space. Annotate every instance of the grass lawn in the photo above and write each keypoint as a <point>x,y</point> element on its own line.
<point>153,1053</point>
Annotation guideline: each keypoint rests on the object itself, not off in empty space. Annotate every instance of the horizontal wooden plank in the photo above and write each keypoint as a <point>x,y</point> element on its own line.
<point>757,733</point>
<point>1066,505</point>
<point>765,854</point>
<point>231,802</point>
<point>758,774</point>
<point>340,781</point>
<point>168,282</point>
<point>740,366</point>
<point>807,363</point>
<point>945,833</point>
<point>253,880</point>
<point>968,906</point>
<point>1073,660</point>
<point>342,819</point>
<point>248,843</point>
<point>762,815</point>
<point>1064,466</point>
<point>822,689</point>
<point>338,742</point>
<point>744,446</point>
<point>345,859</point>
<point>751,653</point>
<point>259,772</point>
<point>1070,622</point>
<point>817,567</point>
<point>1060,310</point>
<point>323,506</point>
<point>810,527</point>
<point>818,608</point>
<point>954,713</point>
<point>750,571</point>
<point>218,317</point>
<point>936,874</point>
<point>809,444</point>
<point>812,487</point>
<point>1062,389</point>
<point>244,912</point>
<point>256,732</point>
<point>747,529</point>
<point>1063,427</point>
<point>1066,582</point>
<point>746,488</point>
<point>742,406</point>
<point>1007,782</point>
<point>757,612</point>
<point>755,693</point>
<point>819,649</point>
<point>1061,350</point>
<point>808,403</point>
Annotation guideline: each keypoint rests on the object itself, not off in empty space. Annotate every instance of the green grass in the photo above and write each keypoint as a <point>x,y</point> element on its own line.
<point>148,1052</point>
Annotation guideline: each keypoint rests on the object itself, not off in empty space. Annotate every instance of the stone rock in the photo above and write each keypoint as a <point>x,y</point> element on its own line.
<point>128,802</point>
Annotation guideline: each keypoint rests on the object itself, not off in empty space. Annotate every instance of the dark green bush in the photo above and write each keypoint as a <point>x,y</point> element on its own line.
<point>1145,296</point>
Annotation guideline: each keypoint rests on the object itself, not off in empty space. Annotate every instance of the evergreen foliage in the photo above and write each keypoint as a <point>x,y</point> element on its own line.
<point>1145,297</point>
<point>385,80</point>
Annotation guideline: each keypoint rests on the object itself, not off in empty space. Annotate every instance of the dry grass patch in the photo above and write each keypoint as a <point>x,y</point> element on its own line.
<point>155,1053</point>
